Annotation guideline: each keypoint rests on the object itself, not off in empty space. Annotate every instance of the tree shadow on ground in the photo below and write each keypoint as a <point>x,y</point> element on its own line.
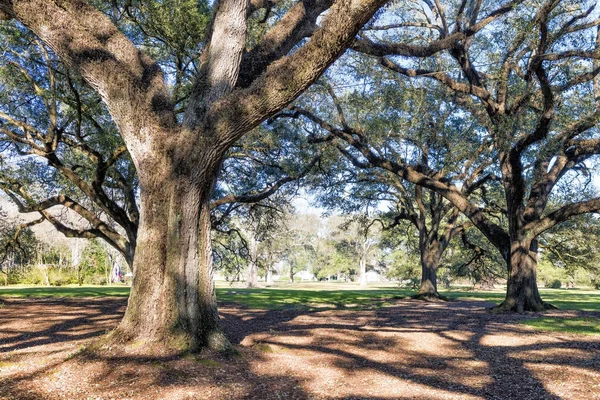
<point>453,349</point>
<point>409,350</point>
<point>57,320</point>
<point>42,357</point>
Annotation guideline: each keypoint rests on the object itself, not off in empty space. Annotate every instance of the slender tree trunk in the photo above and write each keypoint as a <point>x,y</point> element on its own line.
<point>485,283</point>
<point>522,292</point>
<point>107,274</point>
<point>252,280</point>
<point>269,274</point>
<point>172,301</point>
<point>363,271</point>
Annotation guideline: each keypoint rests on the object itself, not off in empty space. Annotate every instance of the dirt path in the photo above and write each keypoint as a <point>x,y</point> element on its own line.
<point>412,350</point>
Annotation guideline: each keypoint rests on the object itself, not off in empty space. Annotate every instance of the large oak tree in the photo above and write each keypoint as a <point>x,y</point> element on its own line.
<point>384,117</point>
<point>82,180</point>
<point>531,86</point>
<point>177,159</point>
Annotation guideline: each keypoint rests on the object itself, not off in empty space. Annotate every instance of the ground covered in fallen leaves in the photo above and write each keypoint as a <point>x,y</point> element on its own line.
<point>408,350</point>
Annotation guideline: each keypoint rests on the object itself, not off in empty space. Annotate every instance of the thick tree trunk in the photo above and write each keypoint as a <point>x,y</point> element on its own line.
<point>430,261</point>
<point>172,302</point>
<point>522,292</point>
<point>430,250</point>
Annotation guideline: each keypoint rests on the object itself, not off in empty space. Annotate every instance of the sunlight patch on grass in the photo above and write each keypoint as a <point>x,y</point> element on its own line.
<point>317,295</point>
<point>564,299</point>
<point>286,298</point>
<point>64,291</point>
<point>587,326</point>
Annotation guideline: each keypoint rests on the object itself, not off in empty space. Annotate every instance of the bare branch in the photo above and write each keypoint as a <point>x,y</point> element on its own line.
<point>266,192</point>
<point>130,82</point>
<point>538,227</point>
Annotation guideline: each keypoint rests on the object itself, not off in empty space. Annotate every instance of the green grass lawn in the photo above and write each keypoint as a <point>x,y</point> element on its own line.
<point>279,298</point>
<point>64,291</point>
<point>587,326</point>
<point>306,296</point>
<point>565,299</point>
<point>314,296</point>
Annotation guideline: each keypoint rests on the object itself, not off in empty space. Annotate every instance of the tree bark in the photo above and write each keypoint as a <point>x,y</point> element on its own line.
<point>429,266</point>
<point>252,281</point>
<point>431,250</point>
<point>485,283</point>
<point>522,292</point>
<point>269,278</point>
<point>363,271</point>
<point>172,301</point>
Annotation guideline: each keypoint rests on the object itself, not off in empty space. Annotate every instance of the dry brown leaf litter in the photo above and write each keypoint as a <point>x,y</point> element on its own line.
<point>411,350</point>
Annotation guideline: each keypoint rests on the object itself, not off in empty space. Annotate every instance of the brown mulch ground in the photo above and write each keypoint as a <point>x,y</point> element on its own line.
<point>412,350</point>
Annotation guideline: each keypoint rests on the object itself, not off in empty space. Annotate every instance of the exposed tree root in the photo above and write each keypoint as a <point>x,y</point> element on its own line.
<point>174,343</point>
<point>509,307</point>
<point>219,343</point>
<point>429,297</point>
